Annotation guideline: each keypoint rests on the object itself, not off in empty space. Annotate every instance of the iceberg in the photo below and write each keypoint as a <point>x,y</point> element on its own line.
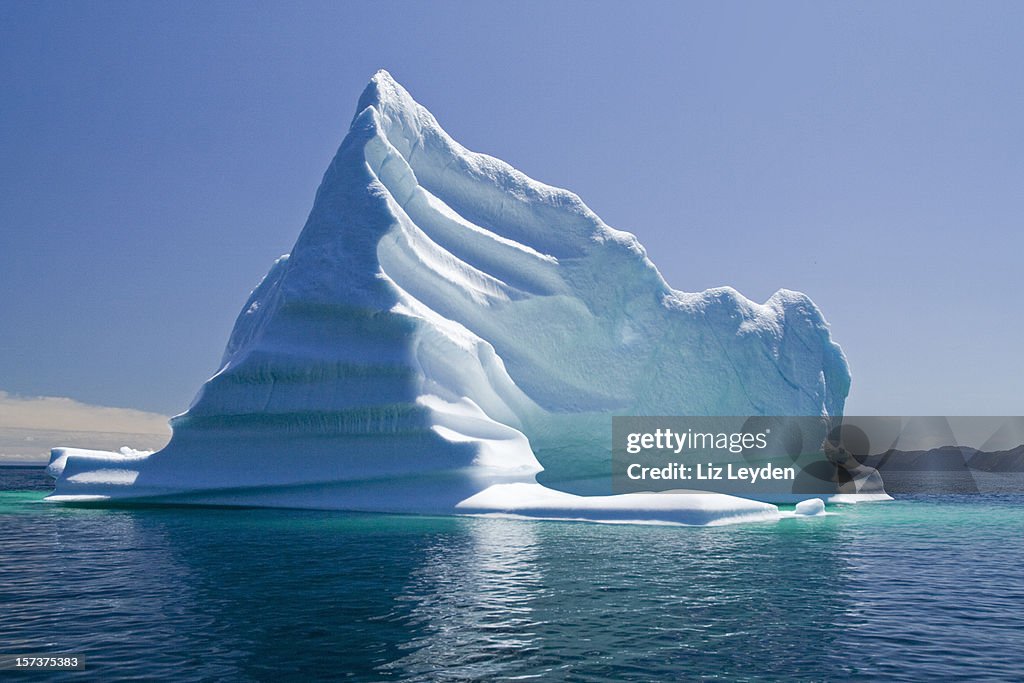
<point>449,335</point>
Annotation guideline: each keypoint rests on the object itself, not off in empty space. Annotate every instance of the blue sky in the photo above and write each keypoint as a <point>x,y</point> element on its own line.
<point>156,158</point>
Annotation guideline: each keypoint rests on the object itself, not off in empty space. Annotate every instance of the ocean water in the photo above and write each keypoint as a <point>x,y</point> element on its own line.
<point>915,589</point>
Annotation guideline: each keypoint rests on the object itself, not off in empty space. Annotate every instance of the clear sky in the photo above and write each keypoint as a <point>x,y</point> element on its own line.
<point>156,157</point>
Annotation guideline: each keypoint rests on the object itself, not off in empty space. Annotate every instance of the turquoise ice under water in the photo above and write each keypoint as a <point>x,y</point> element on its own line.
<point>912,589</point>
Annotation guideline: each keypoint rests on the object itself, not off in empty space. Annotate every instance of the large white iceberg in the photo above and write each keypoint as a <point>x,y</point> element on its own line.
<point>444,326</point>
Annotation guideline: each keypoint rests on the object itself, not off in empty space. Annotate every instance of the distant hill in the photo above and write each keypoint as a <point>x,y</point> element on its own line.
<point>949,459</point>
<point>999,461</point>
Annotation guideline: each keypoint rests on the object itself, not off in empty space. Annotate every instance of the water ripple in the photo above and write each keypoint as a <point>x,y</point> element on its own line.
<point>908,590</point>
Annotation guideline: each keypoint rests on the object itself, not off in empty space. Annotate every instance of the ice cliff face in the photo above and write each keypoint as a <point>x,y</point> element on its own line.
<point>445,323</point>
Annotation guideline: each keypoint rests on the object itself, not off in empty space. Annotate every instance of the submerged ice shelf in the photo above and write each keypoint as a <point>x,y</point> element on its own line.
<point>446,333</point>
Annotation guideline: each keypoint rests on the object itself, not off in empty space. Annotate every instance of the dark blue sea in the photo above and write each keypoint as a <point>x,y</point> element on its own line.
<point>917,589</point>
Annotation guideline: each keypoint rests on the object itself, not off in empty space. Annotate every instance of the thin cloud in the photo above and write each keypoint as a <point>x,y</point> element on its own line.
<point>52,413</point>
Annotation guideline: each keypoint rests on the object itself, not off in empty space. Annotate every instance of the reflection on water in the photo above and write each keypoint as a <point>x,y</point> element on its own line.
<point>472,604</point>
<point>900,590</point>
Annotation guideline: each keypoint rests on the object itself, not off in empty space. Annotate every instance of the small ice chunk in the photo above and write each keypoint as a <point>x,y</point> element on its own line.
<point>810,507</point>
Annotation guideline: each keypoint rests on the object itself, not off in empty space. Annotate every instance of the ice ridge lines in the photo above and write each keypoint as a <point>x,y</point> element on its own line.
<point>470,256</point>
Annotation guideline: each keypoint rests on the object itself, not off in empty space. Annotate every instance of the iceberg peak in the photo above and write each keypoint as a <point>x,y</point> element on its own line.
<point>383,89</point>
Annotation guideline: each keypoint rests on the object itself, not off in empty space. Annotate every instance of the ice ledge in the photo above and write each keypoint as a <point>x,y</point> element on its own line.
<point>691,509</point>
